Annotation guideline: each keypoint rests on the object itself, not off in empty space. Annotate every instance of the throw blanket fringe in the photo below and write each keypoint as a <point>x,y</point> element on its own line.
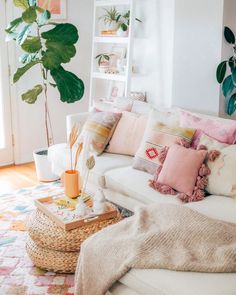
<point>163,236</point>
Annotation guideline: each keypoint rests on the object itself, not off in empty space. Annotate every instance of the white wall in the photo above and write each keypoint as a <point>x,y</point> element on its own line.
<point>28,120</point>
<point>197,51</point>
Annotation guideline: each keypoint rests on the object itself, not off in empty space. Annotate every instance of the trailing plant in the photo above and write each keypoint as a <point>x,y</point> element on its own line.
<point>103,57</point>
<point>229,82</point>
<point>110,15</point>
<point>123,20</point>
<point>46,45</point>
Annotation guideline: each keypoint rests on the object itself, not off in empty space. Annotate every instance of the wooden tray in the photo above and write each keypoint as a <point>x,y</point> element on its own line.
<point>69,220</point>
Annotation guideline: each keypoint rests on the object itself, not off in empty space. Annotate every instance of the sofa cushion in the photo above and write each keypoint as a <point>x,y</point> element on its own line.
<point>134,184</point>
<point>166,282</point>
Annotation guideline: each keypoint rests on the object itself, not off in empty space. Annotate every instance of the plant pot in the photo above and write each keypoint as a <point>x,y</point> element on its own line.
<point>121,33</point>
<point>111,26</point>
<point>72,183</point>
<point>103,67</point>
<point>43,166</point>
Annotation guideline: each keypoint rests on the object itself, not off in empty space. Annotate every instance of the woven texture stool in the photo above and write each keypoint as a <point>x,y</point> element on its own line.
<point>54,249</point>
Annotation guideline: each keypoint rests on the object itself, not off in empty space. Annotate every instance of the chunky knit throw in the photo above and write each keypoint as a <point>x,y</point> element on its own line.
<point>163,236</point>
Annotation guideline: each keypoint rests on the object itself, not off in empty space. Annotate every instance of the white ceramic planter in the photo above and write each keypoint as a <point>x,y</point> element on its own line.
<point>121,33</point>
<point>43,166</point>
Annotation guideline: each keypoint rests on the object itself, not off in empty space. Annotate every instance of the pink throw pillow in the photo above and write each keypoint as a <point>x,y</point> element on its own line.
<point>128,134</point>
<point>220,129</point>
<point>181,167</point>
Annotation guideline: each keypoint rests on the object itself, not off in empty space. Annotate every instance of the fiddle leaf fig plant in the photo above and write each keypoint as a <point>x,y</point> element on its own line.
<point>229,82</point>
<point>47,46</point>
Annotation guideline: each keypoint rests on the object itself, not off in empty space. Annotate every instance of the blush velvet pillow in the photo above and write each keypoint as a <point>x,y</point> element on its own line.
<point>220,129</point>
<point>180,169</point>
<point>128,134</point>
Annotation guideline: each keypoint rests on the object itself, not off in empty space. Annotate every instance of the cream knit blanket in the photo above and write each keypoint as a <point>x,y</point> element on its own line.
<point>161,236</point>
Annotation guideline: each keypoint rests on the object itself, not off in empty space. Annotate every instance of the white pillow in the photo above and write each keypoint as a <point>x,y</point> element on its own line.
<point>222,180</point>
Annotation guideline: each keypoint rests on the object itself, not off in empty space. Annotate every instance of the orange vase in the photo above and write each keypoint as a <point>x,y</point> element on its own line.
<point>72,183</point>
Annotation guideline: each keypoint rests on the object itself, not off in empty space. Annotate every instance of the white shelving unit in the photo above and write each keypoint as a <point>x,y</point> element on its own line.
<point>103,41</point>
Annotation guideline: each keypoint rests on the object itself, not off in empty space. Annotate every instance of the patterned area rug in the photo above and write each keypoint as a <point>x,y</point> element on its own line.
<point>18,276</point>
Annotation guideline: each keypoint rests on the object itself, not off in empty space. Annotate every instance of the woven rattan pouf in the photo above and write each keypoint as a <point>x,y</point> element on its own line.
<point>54,249</point>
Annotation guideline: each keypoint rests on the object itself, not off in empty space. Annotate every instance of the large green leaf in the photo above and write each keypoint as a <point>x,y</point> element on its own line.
<point>31,45</point>
<point>66,52</point>
<point>23,34</point>
<point>231,62</point>
<point>21,3</point>
<point>229,36</point>
<point>64,33</point>
<point>231,105</point>
<point>21,71</point>
<point>50,60</point>
<point>221,70</point>
<point>31,95</point>
<point>227,86</point>
<point>29,15</point>
<point>14,24</point>
<point>71,88</point>
<point>28,57</point>
<point>44,18</point>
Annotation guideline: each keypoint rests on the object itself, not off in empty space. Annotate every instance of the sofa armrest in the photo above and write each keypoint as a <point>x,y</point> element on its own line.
<point>75,118</point>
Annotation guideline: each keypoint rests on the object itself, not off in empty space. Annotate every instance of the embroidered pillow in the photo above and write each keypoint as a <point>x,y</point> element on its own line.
<point>158,135</point>
<point>183,171</point>
<point>128,134</point>
<point>222,180</point>
<point>99,127</point>
<point>220,129</point>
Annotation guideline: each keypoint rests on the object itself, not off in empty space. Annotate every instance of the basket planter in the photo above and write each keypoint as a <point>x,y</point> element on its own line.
<point>43,166</point>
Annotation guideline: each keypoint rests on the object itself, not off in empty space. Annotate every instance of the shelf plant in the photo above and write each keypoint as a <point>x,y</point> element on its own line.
<point>47,45</point>
<point>228,83</point>
<point>103,60</point>
<point>123,21</point>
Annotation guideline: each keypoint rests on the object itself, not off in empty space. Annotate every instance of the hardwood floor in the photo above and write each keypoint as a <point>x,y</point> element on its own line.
<point>16,177</point>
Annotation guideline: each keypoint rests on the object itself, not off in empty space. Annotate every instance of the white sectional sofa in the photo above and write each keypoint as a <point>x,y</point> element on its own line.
<point>129,188</point>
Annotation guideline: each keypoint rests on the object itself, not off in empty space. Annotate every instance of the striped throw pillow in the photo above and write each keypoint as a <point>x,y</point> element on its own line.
<point>157,136</point>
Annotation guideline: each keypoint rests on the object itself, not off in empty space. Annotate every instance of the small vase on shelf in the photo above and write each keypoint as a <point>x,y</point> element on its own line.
<point>72,183</point>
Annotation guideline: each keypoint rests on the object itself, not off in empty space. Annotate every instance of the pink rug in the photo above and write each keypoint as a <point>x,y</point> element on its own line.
<point>18,276</point>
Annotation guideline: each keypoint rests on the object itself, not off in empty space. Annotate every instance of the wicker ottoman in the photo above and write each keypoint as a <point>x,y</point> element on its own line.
<point>54,249</point>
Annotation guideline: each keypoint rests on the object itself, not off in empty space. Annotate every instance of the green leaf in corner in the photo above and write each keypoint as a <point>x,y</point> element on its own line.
<point>21,3</point>
<point>221,70</point>
<point>31,95</point>
<point>234,76</point>
<point>231,105</point>
<point>23,34</point>
<point>21,71</point>
<point>229,36</point>
<point>227,86</point>
<point>64,33</point>
<point>29,15</point>
<point>14,24</point>
<point>31,45</point>
<point>71,88</point>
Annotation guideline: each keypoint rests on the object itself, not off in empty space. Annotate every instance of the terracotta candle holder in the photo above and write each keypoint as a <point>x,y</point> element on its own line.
<point>72,183</point>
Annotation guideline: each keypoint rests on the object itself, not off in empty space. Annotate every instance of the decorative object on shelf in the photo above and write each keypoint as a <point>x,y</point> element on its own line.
<point>99,202</point>
<point>72,176</point>
<point>57,8</point>
<point>140,96</point>
<point>123,21</point>
<point>228,83</point>
<point>103,61</point>
<point>90,163</point>
<point>116,89</point>
<point>48,49</point>
<point>110,20</point>
<point>118,57</point>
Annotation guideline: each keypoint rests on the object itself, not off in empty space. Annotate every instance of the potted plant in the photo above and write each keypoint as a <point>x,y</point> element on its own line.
<point>123,21</point>
<point>110,19</point>
<point>103,61</point>
<point>46,45</point>
<point>228,83</point>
